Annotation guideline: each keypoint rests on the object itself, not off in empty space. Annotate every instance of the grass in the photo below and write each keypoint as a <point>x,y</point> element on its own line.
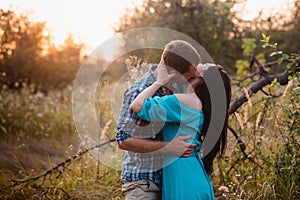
<point>269,127</point>
<point>37,132</point>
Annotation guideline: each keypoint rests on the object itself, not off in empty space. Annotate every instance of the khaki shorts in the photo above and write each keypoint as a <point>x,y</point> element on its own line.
<point>143,189</point>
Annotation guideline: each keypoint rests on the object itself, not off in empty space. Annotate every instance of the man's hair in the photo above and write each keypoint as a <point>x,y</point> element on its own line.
<point>180,55</point>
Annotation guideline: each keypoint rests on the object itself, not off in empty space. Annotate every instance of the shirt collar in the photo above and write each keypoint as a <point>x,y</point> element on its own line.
<point>152,76</point>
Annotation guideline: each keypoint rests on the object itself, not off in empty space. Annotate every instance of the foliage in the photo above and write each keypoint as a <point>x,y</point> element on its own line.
<point>215,25</point>
<point>283,56</point>
<point>249,47</point>
<point>268,166</point>
<point>209,23</point>
<point>136,68</point>
<point>287,33</point>
<point>37,131</point>
<point>24,114</point>
<point>270,128</point>
<point>28,56</point>
<point>268,125</point>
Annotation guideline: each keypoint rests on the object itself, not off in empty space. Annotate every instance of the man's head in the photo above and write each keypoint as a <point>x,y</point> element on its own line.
<point>181,57</point>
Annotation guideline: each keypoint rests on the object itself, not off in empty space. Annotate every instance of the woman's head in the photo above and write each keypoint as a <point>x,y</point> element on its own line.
<point>202,92</point>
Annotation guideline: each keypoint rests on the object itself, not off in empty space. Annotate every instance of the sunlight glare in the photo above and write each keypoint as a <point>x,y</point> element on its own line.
<point>251,8</point>
<point>90,22</point>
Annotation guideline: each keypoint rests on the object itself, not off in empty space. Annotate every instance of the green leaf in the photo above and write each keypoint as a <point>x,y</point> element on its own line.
<point>265,38</point>
<point>285,56</point>
<point>279,61</point>
<point>274,82</point>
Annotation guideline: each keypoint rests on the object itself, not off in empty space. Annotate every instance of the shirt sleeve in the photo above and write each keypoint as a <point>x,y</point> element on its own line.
<point>163,109</point>
<point>126,124</point>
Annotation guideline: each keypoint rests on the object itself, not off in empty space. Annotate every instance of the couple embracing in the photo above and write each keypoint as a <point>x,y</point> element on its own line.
<point>163,123</point>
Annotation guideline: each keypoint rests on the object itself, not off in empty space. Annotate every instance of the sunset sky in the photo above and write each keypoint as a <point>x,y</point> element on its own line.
<point>91,22</point>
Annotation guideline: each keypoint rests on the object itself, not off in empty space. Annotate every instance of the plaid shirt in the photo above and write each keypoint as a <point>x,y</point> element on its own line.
<point>139,166</point>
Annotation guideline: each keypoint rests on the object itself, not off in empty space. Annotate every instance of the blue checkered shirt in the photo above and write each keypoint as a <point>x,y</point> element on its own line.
<point>139,166</point>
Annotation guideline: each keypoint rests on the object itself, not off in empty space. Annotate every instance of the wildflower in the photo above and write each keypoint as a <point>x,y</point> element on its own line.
<point>223,189</point>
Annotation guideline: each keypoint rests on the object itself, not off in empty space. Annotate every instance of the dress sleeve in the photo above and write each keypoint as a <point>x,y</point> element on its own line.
<point>166,109</point>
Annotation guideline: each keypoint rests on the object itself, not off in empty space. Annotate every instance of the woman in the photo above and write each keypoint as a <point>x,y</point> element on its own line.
<point>183,177</point>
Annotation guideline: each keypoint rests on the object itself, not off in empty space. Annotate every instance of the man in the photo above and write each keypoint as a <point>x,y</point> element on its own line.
<point>140,171</point>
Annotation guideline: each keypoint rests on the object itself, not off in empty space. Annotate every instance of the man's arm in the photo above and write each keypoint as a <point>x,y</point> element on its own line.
<point>177,146</point>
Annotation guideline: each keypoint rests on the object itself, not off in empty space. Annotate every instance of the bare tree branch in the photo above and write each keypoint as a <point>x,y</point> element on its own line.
<point>62,164</point>
<point>282,78</point>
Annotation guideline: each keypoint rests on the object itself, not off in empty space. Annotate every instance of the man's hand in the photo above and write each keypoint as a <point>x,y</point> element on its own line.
<point>179,147</point>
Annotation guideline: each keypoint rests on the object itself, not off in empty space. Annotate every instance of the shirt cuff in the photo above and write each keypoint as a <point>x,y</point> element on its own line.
<point>122,137</point>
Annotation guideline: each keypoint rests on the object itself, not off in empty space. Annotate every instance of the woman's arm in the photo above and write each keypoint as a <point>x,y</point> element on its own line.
<point>162,78</point>
<point>137,104</point>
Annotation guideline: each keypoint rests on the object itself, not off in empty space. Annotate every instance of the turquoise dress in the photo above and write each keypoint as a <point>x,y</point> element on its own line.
<point>182,178</point>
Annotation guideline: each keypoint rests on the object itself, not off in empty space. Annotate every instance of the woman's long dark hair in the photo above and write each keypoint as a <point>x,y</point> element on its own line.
<point>203,93</point>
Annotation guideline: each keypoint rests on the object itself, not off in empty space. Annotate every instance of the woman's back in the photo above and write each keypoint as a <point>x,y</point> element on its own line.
<point>182,178</point>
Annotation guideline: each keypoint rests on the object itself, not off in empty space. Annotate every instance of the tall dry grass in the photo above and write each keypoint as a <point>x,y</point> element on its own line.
<point>37,132</point>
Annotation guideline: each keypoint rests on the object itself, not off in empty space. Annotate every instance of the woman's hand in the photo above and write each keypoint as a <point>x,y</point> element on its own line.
<point>163,76</point>
<point>161,79</point>
<point>203,68</point>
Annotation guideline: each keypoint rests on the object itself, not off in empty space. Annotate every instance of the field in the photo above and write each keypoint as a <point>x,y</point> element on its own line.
<point>38,133</point>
